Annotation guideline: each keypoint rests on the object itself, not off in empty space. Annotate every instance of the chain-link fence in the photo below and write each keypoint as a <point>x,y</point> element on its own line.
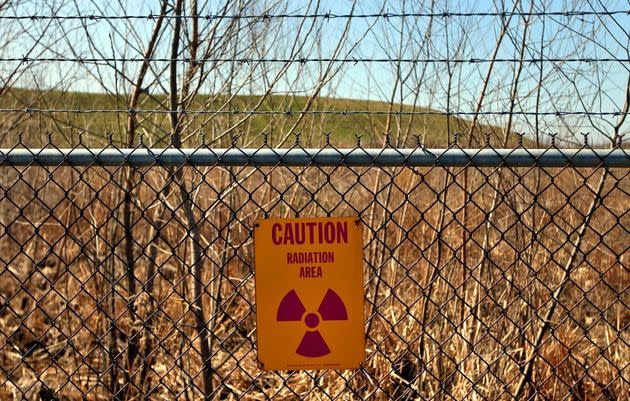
<point>489,274</point>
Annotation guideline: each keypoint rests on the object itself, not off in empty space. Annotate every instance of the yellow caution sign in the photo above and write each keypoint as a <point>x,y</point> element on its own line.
<point>309,293</point>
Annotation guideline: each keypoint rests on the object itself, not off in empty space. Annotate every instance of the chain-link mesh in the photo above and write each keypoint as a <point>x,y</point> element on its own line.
<point>137,282</point>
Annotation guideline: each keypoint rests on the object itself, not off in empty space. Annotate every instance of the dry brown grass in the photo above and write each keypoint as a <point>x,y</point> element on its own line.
<point>440,324</point>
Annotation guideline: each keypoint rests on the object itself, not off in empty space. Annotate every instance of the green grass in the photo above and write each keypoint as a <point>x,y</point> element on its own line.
<point>343,128</point>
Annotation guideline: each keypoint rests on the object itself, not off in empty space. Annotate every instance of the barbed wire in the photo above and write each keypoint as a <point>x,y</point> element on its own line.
<point>326,15</point>
<point>33,110</point>
<point>353,60</point>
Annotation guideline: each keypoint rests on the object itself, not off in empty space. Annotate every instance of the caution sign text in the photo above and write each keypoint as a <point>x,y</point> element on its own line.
<point>309,293</point>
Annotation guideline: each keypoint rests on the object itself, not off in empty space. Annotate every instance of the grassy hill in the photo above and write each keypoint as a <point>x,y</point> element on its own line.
<point>83,115</point>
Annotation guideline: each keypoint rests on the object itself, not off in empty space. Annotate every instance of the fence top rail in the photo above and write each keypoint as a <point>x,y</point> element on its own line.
<point>391,157</point>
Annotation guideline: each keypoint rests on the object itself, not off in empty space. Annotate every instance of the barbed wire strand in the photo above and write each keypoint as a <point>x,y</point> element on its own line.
<point>354,60</point>
<point>327,15</point>
<point>33,110</point>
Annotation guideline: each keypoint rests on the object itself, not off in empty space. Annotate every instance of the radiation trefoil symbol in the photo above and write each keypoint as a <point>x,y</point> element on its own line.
<point>291,309</point>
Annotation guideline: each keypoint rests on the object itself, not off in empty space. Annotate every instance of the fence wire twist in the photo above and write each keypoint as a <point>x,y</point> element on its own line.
<point>134,280</point>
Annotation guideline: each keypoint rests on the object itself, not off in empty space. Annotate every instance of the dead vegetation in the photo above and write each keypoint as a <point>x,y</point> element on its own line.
<point>436,327</point>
